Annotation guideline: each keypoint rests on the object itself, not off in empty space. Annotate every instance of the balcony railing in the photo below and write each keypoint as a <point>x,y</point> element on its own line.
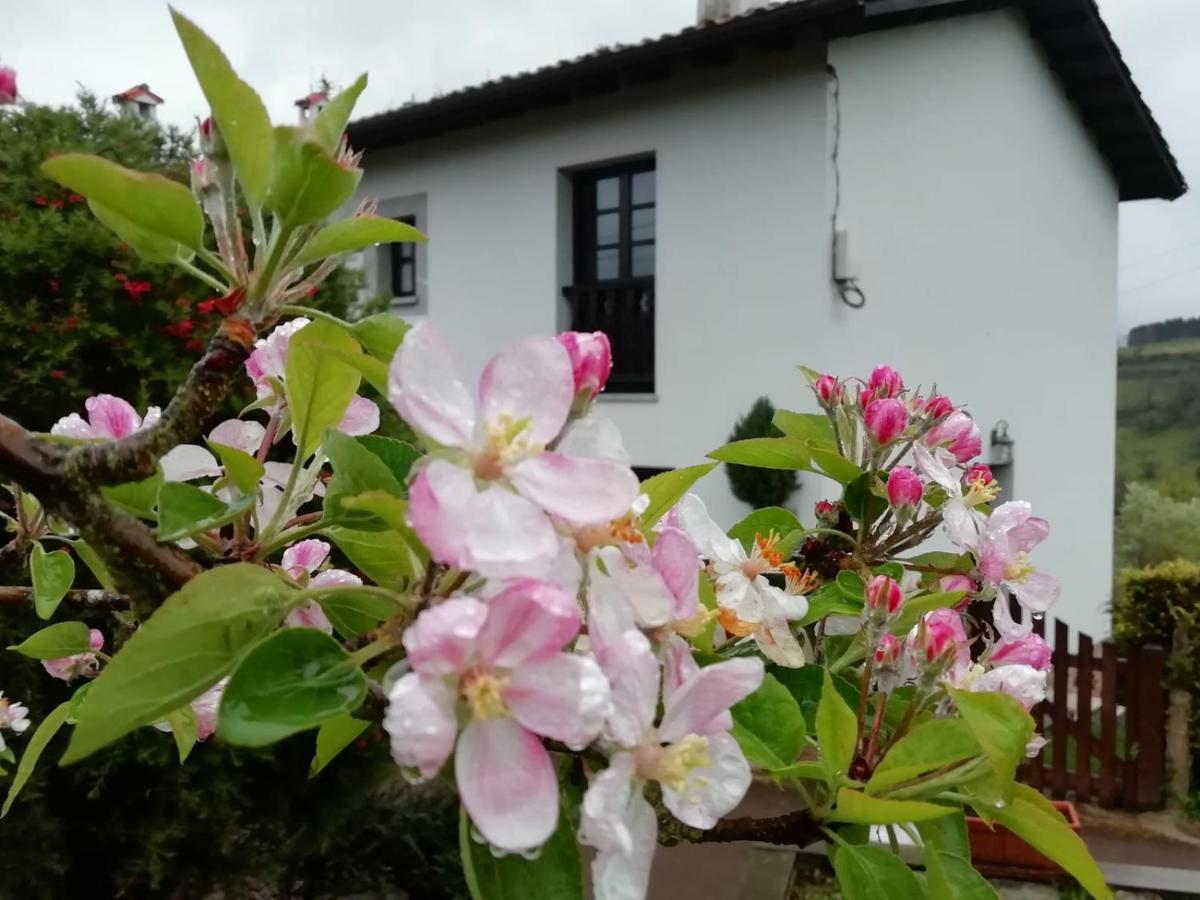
<point>624,310</point>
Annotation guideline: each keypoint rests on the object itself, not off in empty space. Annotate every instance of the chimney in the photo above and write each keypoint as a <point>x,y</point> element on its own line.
<point>139,102</point>
<point>711,12</point>
<point>315,101</point>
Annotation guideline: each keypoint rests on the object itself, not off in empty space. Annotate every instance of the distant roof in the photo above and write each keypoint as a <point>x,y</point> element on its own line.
<point>311,99</point>
<point>140,92</point>
<point>1077,44</point>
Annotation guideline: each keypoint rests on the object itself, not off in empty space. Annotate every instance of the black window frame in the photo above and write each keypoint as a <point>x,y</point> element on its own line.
<point>586,213</point>
<point>403,254</point>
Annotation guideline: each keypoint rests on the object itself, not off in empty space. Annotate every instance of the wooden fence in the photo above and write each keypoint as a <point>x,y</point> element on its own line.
<point>1105,720</point>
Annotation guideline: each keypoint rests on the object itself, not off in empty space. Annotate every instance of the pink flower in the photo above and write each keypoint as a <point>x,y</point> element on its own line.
<point>937,406</point>
<point>1009,534</point>
<point>362,417</point>
<point>690,753</point>
<point>649,588</point>
<point>951,583</point>
<point>107,417</point>
<point>1030,650</point>
<point>591,361</point>
<point>501,667</point>
<point>884,383</point>
<point>205,708</point>
<point>888,652</point>
<point>979,476</point>
<point>1024,683</point>
<point>827,511</point>
<point>904,488</point>
<point>301,561</point>
<point>885,420</point>
<point>13,716</point>
<point>884,594</point>
<point>486,503</point>
<point>83,664</point>
<point>829,390</point>
<point>941,638</point>
<point>8,85</point>
<point>959,434</point>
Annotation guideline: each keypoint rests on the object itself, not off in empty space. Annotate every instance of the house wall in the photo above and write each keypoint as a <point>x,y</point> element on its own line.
<point>983,227</point>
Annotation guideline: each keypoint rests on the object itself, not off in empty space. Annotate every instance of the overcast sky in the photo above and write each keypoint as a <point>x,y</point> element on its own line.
<point>413,48</point>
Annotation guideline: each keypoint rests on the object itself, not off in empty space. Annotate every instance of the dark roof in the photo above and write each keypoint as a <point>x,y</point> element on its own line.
<point>1077,45</point>
<point>138,90</point>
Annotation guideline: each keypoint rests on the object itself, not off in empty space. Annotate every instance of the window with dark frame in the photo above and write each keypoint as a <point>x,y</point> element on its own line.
<point>404,263</point>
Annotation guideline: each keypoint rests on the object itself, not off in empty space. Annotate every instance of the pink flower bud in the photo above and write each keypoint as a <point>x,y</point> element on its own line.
<point>8,85</point>
<point>591,360</point>
<point>1030,650</point>
<point>945,638</point>
<point>887,654</point>
<point>828,512</point>
<point>201,176</point>
<point>829,390</point>
<point>884,593</point>
<point>904,488</point>
<point>211,143</point>
<point>950,583</point>
<point>937,406</point>
<point>884,382</point>
<point>885,420</point>
<point>959,434</point>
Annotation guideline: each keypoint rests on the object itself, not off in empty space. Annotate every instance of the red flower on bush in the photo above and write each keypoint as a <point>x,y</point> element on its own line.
<point>134,289</point>
<point>195,345</point>
<point>182,329</point>
<point>70,323</point>
<point>39,200</point>
<point>53,282</point>
<point>57,373</point>
<point>74,198</point>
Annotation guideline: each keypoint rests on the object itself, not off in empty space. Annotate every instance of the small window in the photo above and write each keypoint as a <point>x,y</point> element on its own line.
<point>404,264</point>
<point>615,222</point>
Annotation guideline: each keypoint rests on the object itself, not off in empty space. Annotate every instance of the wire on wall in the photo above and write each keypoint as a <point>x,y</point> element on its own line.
<point>848,288</point>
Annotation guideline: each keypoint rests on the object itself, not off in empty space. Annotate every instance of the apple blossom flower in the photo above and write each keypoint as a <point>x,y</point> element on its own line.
<point>205,708</point>
<point>591,361</point>
<point>1030,650</point>
<point>749,604</point>
<point>904,488</point>
<point>959,434</point>
<point>889,669</point>
<point>829,390</point>
<point>8,85</point>
<point>1024,683</point>
<point>68,668</point>
<point>960,514</point>
<point>883,383</point>
<point>884,596</point>
<point>487,502</point>
<point>651,588</point>
<point>302,561</point>
<point>1009,534</point>
<point>940,640</point>
<point>13,716</point>
<point>828,511</point>
<point>936,406</point>
<point>698,765</point>
<point>107,417</point>
<point>502,665</point>
<point>886,420</point>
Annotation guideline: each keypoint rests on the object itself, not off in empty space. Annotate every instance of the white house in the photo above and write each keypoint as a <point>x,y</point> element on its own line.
<point>683,194</point>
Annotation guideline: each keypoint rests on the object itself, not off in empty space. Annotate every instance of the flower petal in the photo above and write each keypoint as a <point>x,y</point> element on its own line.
<point>72,426</point>
<point>420,722</point>
<point>712,791</point>
<point>619,822</point>
<point>582,491</point>
<point>305,557</point>
<point>933,468</point>
<point>242,434</point>
<point>424,386</point>
<point>188,461</point>
<point>442,639</point>
<point>111,417</point>
<point>676,560</point>
<point>707,694</point>
<point>507,536</point>
<point>507,784</point>
<point>335,578</point>
<point>640,589</point>
<point>362,417</point>
<point>439,501</point>
<point>593,437</point>
<point>565,697</point>
<point>530,381</point>
<point>1037,592</point>
<point>527,622</point>
<point>710,540</point>
<point>310,615</point>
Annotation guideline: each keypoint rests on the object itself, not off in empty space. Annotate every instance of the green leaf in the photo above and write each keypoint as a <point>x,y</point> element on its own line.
<point>320,385</point>
<point>92,560</point>
<point>951,562</point>
<point>151,202</point>
<point>769,725</point>
<point>238,111</point>
<point>835,465</point>
<point>138,498</point>
<point>810,374</point>
<point>808,427</point>
<point>294,680</point>
<point>331,121</point>
<point>915,608</point>
<point>668,488</point>
<point>851,585</point>
<point>155,248</point>
<point>381,334</point>
<point>398,456</point>
<point>334,736</point>
<point>1000,725</point>
<point>809,769</point>
<point>865,498</point>
<point>1034,819</point>
<point>947,855</point>
<point>385,557</point>
<point>763,521</point>
<point>556,873</point>
<point>38,742</point>
<point>188,644</point>
<point>928,747</point>
<point>378,507</point>
<point>837,730</point>
<point>871,873</point>
<point>55,641</point>
<point>348,235</point>
<point>240,467</point>
<point>184,510</point>
<point>861,809</point>
<point>308,184</point>
<point>356,470</point>
<point>184,728</point>
<point>829,600</point>
<point>53,574</point>
<point>765,453</point>
<point>356,610</point>
<point>805,685</point>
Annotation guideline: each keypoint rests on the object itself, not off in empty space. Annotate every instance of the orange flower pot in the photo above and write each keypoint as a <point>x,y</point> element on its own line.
<point>998,847</point>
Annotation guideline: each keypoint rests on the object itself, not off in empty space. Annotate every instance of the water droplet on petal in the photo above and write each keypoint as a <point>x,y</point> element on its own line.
<point>1038,616</point>
<point>1000,804</point>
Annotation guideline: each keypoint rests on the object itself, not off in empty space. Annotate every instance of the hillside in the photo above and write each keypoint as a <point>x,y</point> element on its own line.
<point>1158,415</point>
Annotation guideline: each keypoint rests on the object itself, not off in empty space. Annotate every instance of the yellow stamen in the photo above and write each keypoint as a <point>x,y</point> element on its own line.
<point>735,626</point>
<point>484,693</point>
<point>1019,569</point>
<point>677,761</point>
<point>764,549</point>
<point>506,443</point>
<point>980,492</point>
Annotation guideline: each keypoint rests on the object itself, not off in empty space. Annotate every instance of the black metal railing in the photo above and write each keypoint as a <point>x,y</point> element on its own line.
<point>624,310</point>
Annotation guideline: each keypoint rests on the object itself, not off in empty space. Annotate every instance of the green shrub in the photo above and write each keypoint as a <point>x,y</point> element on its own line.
<point>760,487</point>
<point>1153,529</point>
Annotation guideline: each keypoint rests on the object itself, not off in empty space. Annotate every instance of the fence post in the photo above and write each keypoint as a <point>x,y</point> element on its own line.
<point>1150,724</point>
<point>1061,660</point>
<point>1108,725</point>
<point>1083,720</point>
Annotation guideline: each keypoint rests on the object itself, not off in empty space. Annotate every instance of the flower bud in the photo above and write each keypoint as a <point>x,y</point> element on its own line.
<point>950,583</point>
<point>8,85</point>
<point>212,144</point>
<point>1030,650</point>
<point>883,593</point>
<point>828,512</point>
<point>885,382</point>
<point>904,488</point>
<point>829,390</point>
<point>887,654</point>
<point>201,172</point>
<point>942,638</point>
<point>885,420</point>
<point>959,434</point>
<point>937,406</point>
<point>591,361</point>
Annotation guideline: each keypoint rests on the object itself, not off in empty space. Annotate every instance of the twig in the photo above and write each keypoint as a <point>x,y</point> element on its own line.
<point>797,829</point>
<point>92,599</point>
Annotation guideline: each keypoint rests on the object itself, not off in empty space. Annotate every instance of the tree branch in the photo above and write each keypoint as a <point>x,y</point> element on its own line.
<point>91,599</point>
<point>796,829</point>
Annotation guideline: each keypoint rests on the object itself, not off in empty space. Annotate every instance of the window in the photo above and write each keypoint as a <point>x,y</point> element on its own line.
<point>614,237</point>
<point>615,222</point>
<point>404,264</point>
